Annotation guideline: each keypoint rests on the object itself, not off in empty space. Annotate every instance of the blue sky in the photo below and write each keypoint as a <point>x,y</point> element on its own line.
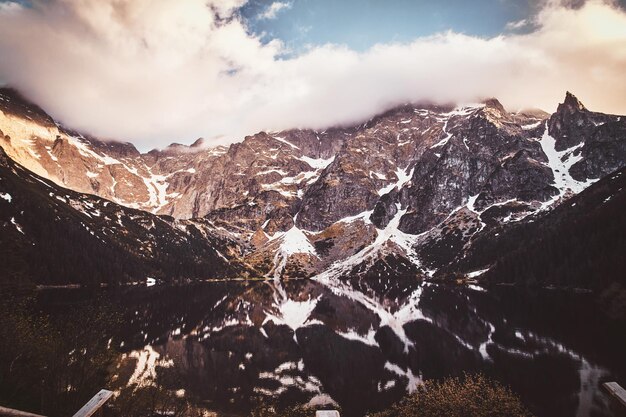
<point>359,24</point>
<point>158,71</point>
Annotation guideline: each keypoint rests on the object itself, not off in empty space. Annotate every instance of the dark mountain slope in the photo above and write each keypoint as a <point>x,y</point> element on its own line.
<point>52,235</point>
<point>580,243</point>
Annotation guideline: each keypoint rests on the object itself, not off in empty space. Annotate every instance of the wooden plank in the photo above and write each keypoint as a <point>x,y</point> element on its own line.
<point>327,413</point>
<point>94,404</point>
<point>616,391</point>
<point>9,412</point>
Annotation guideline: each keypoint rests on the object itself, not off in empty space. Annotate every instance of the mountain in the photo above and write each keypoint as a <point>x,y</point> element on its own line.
<point>416,191</point>
<point>52,235</point>
<point>580,243</point>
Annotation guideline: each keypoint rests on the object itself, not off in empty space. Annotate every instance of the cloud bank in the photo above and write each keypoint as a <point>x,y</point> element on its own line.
<point>157,71</point>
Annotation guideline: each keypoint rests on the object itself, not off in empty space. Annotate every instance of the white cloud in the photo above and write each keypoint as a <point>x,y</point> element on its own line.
<point>519,24</point>
<point>272,10</point>
<point>158,71</point>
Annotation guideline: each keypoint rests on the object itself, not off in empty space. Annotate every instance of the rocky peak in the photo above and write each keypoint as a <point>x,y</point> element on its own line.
<point>571,104</point>
<point>494,112</point>
<point>198,144</point>
<point>494,103</point>
<point>572,123</point>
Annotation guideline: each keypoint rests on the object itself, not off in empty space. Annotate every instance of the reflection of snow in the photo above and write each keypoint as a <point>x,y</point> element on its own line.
<point>291,313</point>
<point>477,273</point>
<point>409,311</point>
<point>147,361</point>
<point>393,373</point>
<point>368,339</point>
<point>290,375</point>
<point>294,314</point>
<point>414,380</point>
<point>406,313</point>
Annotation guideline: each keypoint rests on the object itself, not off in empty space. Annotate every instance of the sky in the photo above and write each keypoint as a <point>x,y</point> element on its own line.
<point>155,72</point>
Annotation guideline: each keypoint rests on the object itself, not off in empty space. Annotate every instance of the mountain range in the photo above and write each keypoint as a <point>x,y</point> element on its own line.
<point>423,190</point>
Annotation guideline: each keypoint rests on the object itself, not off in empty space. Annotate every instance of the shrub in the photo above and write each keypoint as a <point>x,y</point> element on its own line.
<point>470,396</point>
<point>272,411</point>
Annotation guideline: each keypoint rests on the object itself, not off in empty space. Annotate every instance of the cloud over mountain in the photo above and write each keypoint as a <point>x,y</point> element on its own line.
<point>157,71</point>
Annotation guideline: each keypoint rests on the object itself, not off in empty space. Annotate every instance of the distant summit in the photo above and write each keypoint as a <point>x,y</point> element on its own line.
<point>571,104</point>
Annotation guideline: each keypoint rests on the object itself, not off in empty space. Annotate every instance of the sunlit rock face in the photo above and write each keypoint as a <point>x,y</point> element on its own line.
<point>50,235</point>
<point>418,184</point>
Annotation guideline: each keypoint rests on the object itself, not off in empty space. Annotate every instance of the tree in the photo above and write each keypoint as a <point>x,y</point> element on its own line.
<point>470,396</point>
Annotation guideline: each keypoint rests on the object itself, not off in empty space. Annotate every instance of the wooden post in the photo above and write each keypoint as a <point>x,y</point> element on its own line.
<point>616,391</point>
<point>94,404</point>
<point>9,412</point>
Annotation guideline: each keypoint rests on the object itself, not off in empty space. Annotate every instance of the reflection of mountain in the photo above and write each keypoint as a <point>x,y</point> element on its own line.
<point>363,349</point>
<point>420,190</point>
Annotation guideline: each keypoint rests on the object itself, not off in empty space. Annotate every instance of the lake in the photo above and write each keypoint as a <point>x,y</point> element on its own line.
<point>362,345</point>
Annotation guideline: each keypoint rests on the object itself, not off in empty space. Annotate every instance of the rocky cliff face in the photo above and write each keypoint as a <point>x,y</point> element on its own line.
<point>52,235</point>
<point>414,186</point>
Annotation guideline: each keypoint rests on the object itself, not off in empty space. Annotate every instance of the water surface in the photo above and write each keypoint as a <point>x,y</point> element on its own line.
<point>363,345</point>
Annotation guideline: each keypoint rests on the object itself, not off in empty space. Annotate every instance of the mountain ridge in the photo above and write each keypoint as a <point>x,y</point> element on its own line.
<point>52,235</point>
<point>305,203</point>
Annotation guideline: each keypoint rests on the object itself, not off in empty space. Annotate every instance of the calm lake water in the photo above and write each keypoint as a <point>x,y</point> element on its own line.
<point>364,346</point>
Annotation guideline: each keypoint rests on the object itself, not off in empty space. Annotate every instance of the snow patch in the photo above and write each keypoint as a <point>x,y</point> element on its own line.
<point>446,138</point>
<point>317,163</point>
<point>292,242</point>
<point>147,361</point>
<point>403,178</point>
<point>477,273</point>
<point>413,380</point>
<point>17,226</point>
<point>531,126</point>
<point>560,162</point>
<point>278,138</point>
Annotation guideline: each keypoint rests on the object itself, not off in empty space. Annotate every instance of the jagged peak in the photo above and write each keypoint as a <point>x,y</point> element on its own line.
<point>199,143</point>
<point>495,104</point>
<point>571,103</point>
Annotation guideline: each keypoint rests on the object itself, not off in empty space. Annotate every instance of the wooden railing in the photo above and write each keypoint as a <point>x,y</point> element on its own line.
<point>9,412</point>
<point>100,398</point>
<point>94,404</point>
<point>617,392</point>
<point>87,410</point>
